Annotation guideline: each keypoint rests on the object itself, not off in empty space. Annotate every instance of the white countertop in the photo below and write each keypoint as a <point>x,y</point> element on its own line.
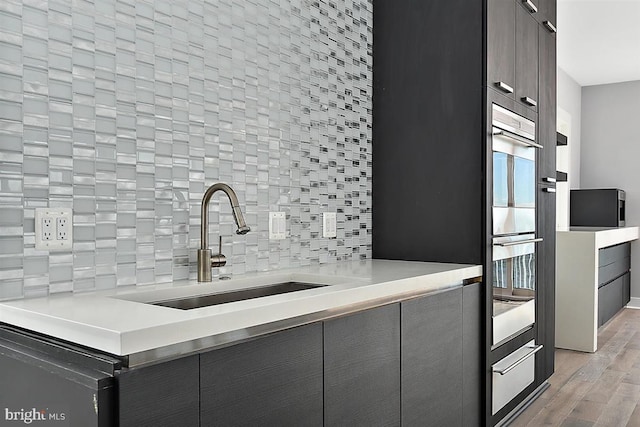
<point>601,236</point>
<point>120,321</point>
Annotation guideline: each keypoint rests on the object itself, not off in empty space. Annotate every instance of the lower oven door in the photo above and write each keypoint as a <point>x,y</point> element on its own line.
<point>514,284</point>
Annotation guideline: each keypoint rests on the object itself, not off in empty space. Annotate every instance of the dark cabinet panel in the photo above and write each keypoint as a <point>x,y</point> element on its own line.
<point>608,272</point>
<point>432,359</point>
<point>427,147</point>
<point>274,380</point>
<point>362,368</point>
<point>501,46</point>
<point>472,355</point>
<point>546,14</point>
<point>60,392</point>
<point>547,134</point>
<point>160,395</point>
<point>545,301</point>
<point>610,297</point>
<point>526,59</point>
<point>614,253</point>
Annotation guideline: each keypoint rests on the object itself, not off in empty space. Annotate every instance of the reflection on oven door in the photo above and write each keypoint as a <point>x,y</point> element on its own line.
<point>514,220</point>
<point>514,284</point>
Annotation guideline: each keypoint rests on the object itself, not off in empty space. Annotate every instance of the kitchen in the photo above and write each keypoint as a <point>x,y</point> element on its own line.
<point>126,112</point>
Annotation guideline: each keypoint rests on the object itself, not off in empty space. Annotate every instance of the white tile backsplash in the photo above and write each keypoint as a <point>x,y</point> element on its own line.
<point>127,111</point>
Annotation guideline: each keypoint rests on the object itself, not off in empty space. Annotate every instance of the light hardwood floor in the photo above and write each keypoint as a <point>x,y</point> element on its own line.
<point>594,389</point>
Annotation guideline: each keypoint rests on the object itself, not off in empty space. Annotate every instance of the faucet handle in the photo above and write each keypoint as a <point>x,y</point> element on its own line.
<point>218,260</point>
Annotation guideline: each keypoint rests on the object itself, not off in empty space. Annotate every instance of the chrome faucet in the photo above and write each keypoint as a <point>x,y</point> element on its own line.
<point>207,260</point>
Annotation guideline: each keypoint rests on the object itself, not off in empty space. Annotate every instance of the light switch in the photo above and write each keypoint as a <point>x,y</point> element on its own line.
<point>277,225</point>
<point>329,228</point>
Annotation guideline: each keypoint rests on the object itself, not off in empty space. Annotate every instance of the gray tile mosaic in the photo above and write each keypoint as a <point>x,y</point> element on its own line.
<point>127,110</point>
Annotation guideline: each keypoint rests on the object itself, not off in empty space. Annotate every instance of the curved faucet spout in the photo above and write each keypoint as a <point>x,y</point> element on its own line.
<point>206,259</point>
<point>235,208</point>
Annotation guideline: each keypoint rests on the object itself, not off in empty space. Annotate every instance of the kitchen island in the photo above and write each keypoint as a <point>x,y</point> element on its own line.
<point>592,282</point>
<point>383,340</point>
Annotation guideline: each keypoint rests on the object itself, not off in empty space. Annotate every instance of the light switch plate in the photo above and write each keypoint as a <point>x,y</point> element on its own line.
<point>329,227</point>
<point>277,225</point>
<point>54,229</point>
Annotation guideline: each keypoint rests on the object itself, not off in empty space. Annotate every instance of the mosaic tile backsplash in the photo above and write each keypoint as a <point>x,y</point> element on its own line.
<point>127,110</point>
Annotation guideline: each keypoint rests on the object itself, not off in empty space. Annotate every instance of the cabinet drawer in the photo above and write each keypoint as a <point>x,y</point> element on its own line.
<point>613,253</point>
<point>609,272</point>
<point>610,299</point>
<point>512,374</point>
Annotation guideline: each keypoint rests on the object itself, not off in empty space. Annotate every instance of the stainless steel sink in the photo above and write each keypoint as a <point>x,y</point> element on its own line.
<point>244,294</point>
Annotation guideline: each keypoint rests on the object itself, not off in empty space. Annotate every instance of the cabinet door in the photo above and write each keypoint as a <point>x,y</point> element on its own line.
<point>61,392</point>
<point>546,282</point>
<point>501,46</point>
<point>610,298</point>
<point>362,368</point>
<point>432,360</point>
<point>271,381</point>
<point>472,350</point>
<point>546,14</point>
<point>547,113</point>
<point>165,394</point>
<point>526,59</point>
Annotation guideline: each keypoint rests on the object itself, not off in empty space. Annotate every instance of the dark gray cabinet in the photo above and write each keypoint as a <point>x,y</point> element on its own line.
<point>547,134</point>
<point>501,46</point>
<point>546,283</point>
<point>362,368</point>
<point>614,280</point>
<point>512,52</point>
<point>62,386</point>
<point>526,59</point>
<point>408,363</point>
<point>546,14</point>
<point>432,329</point>
<point>165,394</point>
<point>472,355</point>
<point>273,380</point>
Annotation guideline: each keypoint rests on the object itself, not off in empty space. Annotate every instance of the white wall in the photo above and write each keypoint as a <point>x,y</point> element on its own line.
<point>610,149</point>
<point>569,110</point>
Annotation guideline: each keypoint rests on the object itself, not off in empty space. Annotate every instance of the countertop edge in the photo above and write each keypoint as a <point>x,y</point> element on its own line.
<point>189,334</point>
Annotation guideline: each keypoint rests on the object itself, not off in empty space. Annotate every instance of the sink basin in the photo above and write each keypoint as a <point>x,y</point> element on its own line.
<point>244,294</point>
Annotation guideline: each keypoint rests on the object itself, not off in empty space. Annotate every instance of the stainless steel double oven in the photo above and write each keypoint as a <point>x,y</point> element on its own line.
<point>514,223</point>
<point>514,245</point>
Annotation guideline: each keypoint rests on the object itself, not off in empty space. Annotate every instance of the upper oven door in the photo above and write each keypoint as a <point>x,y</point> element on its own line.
<point>514,173</point>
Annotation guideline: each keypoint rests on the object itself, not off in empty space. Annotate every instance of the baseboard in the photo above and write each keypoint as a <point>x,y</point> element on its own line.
<point>634,303</point>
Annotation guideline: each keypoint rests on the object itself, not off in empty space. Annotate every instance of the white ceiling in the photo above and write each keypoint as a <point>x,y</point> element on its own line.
<point>599,40</point>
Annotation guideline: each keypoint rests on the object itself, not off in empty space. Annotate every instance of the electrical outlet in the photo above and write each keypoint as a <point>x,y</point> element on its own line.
<point>47,228</point>
<point>53,229</point>
<point>62,228</point>
<point>277,225</point>
<point>329,227</point>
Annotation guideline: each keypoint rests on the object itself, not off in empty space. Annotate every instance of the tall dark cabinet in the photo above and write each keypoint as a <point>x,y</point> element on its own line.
<point>438,67</point>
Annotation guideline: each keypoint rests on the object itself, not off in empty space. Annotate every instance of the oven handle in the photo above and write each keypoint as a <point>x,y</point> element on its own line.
<point>524,357</point>
<point>520,242</point>
<point>516,137</point>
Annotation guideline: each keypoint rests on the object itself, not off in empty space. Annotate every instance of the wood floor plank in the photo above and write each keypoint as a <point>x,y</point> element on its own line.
<point>594,389</point>
<point>587,410</point>
<point>620,407</point>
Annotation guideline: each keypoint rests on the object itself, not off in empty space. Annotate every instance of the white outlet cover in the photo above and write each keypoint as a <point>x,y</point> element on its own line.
<point>329,226</point>
<point>277,225</point>
<point>60,237</point>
